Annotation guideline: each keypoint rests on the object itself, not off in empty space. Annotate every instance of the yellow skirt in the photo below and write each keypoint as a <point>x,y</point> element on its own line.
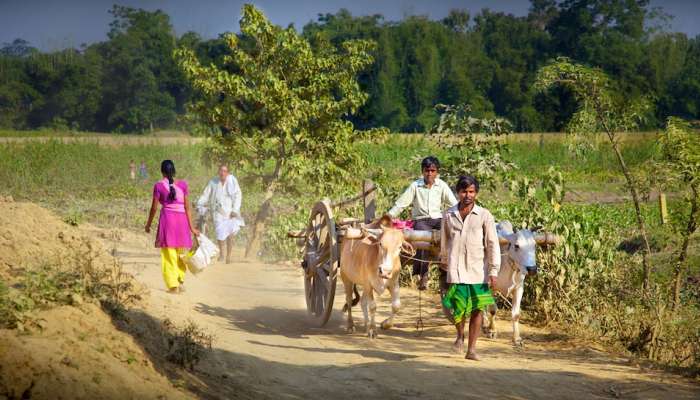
<point>173,266</point>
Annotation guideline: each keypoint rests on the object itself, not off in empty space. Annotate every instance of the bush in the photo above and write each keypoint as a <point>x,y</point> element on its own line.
<point>187,344</point>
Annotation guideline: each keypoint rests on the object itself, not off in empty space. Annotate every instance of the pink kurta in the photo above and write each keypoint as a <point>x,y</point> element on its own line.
<point>173,225</point>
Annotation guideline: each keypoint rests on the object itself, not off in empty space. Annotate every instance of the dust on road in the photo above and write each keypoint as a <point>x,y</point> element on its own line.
<point>266,346</point>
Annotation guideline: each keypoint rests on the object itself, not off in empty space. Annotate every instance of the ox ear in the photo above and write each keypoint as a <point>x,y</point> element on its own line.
<point>547,239</point>
<point>385,221</point>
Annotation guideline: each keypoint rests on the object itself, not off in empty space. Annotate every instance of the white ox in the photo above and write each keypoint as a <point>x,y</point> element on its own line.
<point>373,263</point>
<point>517,261</point>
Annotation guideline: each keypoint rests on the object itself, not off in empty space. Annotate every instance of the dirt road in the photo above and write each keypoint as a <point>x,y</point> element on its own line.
<point>265,347</point>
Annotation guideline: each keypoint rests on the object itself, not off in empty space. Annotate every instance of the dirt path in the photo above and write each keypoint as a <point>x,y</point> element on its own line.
<point>265,347</point>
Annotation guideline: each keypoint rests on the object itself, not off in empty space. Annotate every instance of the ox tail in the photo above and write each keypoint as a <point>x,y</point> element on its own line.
<point>355,299</point>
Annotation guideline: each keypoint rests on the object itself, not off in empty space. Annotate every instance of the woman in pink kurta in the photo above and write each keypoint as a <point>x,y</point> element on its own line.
<point>175,227</point>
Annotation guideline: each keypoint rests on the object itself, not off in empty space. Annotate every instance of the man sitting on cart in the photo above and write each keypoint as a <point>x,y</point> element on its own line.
<point>429,196</point>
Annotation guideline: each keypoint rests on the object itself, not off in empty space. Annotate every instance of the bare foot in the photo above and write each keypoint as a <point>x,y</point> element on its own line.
<point>181,289</point>
<point>458,346</point>
<point>472,356</point>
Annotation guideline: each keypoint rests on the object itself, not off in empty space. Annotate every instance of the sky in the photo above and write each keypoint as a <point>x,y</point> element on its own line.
<point>57,24</point>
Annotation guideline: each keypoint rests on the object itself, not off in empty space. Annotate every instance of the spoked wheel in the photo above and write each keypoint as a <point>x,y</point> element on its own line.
<point>320,263</point>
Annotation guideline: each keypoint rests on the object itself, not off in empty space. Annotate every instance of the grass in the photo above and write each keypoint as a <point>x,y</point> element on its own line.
<point>89,182</point>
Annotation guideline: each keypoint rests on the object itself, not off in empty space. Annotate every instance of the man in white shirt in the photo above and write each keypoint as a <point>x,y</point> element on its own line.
<point>429,196</point>
<point>222,198</point>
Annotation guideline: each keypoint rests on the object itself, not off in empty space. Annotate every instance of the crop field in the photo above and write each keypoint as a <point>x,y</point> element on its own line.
<point>89,182</point>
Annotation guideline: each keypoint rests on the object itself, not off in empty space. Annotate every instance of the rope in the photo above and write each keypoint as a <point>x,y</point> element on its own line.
<point>419,322</point>
<point>409,252</point>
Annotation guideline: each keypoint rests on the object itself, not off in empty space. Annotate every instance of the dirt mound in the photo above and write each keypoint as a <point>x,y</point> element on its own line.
<point>31,236</point>
<point>67,352</point>
<point>78,355</point>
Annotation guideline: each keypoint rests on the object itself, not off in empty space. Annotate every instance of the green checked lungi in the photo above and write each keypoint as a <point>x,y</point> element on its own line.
<point>465,298</point>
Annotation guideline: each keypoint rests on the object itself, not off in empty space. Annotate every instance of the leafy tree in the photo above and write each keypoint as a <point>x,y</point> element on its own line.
<point>143,87</point>
<point>684,91</point>
<point>284,102</point>
<point>18,48</point>
<point>679,164</point>
<point>599,112</point>
<point>474,145</point>
<point>517,49</point>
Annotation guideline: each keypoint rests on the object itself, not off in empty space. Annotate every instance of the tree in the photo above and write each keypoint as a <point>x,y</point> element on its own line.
<point>680,164</point>
<point>143,87</point>
<point>599,112</point>
<point>473,145</point>
<point>280,104</point>
<point>684,90</point>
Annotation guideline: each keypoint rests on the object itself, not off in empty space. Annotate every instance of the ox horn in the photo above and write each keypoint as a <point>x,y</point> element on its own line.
<point>547,239</point>
<point>502,240</point>
<point>372,232</point>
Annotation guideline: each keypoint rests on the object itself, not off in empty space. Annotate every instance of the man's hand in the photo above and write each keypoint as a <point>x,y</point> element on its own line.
<point>492,282</point>
<point>148,228</point>
<point>195,231</point>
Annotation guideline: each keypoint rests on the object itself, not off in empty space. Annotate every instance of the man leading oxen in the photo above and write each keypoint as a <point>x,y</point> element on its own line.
<point>373,263</point>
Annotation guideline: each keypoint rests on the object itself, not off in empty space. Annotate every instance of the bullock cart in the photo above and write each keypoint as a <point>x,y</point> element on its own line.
<point>320,243</point>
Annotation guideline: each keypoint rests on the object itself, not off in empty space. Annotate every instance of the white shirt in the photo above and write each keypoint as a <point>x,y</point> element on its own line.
<point>427,202</point>
<point>221,199</point>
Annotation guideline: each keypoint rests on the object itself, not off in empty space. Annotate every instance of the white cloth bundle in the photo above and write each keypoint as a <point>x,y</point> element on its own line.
<point>203,257</point>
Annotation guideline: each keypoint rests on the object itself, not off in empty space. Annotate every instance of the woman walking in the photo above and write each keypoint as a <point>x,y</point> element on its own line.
<point>174,225</point>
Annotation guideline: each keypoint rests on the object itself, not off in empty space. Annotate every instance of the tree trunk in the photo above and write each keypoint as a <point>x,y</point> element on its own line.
<point>270,184</point>
<point>690,229</point>
<point>259,225</point>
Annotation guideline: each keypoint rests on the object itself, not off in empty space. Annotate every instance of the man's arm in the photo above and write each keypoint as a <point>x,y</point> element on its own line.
<point>203,200</point>
<point>448,197</point>
<point>403,201</point>
<point>493,248</point>
<point>443,241</point>
<point>234,190</point>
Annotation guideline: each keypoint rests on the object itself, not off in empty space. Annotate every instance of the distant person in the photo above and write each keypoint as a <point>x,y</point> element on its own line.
<point>143,172</point>
<point>174,225</point>
<point>470,251</point>
<point>429,196</point>
<point>132,170</point>
<point>222,198</point>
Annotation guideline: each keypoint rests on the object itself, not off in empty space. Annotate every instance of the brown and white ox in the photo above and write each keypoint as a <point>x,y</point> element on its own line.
<point>518,260</point>
<point>373,263</point>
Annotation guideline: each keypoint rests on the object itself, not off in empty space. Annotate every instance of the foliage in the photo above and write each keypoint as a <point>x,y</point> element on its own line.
<point>277,101</point>
<point>69,280</point>
<point>130,82</point>
<point>474,146</point>
<point>598,111</point>
<point>186,344</point>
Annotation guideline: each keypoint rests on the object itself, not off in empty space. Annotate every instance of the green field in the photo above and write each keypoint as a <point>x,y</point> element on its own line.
<point>597,270</point>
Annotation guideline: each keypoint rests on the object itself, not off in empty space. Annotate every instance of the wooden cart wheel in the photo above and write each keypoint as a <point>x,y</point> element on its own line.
<point>320,262</point>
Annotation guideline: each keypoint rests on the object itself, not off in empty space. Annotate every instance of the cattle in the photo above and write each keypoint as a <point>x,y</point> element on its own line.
<point>517,261</point>
<point>373,263</point>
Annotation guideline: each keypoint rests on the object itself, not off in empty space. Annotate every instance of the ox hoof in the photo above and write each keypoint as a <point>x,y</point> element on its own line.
<point>372,334</point>
<point>350,329</point>
<point>492,334</point>
<point>517,342</point>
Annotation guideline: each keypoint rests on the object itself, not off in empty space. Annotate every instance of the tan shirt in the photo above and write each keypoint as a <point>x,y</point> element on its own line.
<point>469,248</point>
